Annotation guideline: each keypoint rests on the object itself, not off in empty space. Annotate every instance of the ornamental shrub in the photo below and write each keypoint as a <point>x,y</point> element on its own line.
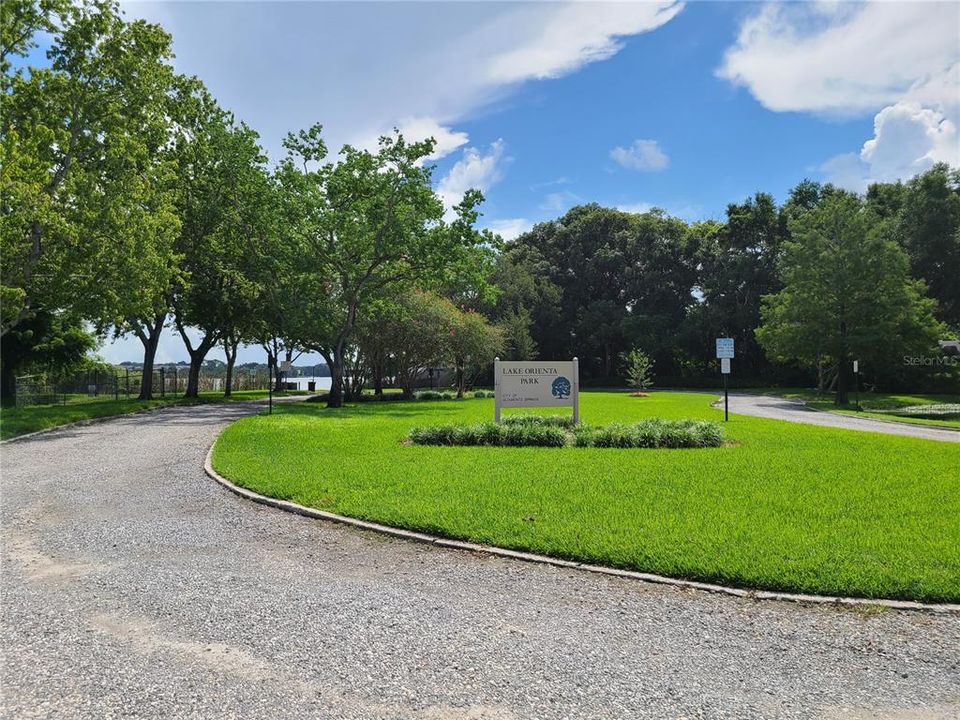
<point>538,431</point>
<point>560,421</point>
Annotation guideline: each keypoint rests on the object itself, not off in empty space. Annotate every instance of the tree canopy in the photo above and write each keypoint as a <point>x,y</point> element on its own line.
<point>847,292</point>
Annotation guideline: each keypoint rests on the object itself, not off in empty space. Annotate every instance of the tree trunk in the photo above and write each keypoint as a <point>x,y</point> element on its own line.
<point>193,378</point>
<point>271,359</point>
<point>149,334</point>
<point>277,374</point>
<point>460,380</point>
<point>377,379</point>
<point>843,365</point>
<point>8,384</point>
<point>197,356</point>
<point>230,350</point>
<point>335,397</point>
<point>843,382</point>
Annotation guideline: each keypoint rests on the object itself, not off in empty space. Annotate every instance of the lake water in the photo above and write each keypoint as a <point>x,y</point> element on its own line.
<point>323,383</point>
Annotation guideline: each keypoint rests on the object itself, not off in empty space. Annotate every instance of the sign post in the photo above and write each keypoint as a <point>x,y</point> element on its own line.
<point>496,390</point>
<point>541,383</point>
<point>725,354</point>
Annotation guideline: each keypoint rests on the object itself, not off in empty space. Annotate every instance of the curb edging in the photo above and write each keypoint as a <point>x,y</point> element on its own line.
<point>437,541</point>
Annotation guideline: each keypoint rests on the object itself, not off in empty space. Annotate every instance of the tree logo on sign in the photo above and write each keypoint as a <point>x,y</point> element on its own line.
<point>560,388</point>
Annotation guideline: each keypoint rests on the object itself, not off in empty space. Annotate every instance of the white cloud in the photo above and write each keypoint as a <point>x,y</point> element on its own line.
<point>641,155</point>
<point>556,202</point>
<point>363,68</point>
<point>908,139</point>
<point>417,129</point>
<point>844,57</point>
<point>636,208</point>
<point>473,170</point>
<point>576,34</point>
<point>510,228</point>
<point>898,60</point>
<point>691,212</point>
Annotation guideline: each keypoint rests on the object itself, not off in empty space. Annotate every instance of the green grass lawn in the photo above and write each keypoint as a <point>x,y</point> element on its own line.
<point>877,405</point>
<point>16,421</point>
<point>783,506</point>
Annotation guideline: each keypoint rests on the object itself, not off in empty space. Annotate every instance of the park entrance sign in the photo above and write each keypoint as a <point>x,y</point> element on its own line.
<point>539,383</point>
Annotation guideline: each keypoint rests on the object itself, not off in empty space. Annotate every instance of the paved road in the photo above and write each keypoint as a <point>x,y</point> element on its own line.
<point>795,411</point>
<point>134,586</point>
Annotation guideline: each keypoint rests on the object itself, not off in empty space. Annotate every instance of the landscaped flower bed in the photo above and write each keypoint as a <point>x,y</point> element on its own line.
<point>943,411</point>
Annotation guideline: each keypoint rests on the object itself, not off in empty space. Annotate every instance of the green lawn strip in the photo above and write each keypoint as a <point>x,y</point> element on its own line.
<point>15,421</point>
<point>786,507</point>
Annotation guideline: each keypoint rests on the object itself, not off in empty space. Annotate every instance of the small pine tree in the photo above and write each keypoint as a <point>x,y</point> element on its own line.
<point>638,369</point>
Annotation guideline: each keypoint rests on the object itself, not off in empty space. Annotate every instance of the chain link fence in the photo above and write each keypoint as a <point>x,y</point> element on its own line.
<point>110,384</point>
<point>90,386</point>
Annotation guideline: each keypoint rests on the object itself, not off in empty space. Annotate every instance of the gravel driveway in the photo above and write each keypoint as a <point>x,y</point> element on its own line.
<point>135,586</point>
<point>795,411</point>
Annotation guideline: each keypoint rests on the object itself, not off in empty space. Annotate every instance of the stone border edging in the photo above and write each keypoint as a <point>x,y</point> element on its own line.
<point>437,541</point>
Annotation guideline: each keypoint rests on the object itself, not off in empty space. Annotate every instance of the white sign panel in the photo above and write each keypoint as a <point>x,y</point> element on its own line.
<point>725,366</point>
<point>536,383</point>
<point>285,365</point>
<point>724,348</point>
<point>856,366</point>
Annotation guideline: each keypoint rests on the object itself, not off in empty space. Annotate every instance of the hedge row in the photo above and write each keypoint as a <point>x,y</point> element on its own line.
<point>654,433</point>
<point>448,395</point>
<point>538,431</point>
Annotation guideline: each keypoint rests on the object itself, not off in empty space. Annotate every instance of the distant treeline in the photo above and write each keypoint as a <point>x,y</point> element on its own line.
<point>831,275</point>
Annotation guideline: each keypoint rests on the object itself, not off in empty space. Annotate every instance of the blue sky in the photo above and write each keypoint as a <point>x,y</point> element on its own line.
<point>545,105</point>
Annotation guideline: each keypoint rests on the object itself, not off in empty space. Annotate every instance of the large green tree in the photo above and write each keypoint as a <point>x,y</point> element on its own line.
<point>367,223</point>
<point>88,220</point>
<point>597,281</point>
<point>928,227</point>
<point>224,201</point>
<point>473,344</point>
<point>54,344</point>
<point>738,265</point>
<point>847,293</point>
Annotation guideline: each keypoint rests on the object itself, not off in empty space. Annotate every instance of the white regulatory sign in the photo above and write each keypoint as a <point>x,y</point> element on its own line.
<point>539,383</point>
<point>725,366</point>
<point>285,365</point>
<point>856,366</point>
<point>724,348</point>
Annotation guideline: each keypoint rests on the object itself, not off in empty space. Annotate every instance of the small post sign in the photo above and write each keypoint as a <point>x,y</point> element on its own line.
<point>724,348</point>
<point>724,355</point>
<point>540,383</point>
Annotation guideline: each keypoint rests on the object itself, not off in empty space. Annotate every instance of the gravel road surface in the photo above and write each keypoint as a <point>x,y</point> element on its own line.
<point>795,411</point>
<point>136,587</point>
